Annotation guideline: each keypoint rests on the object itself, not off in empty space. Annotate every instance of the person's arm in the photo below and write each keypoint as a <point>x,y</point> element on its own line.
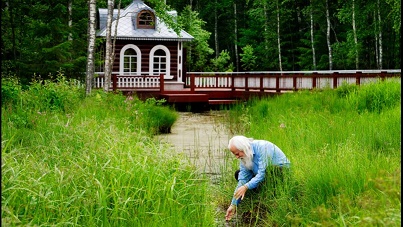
<point>244,176</point>
<point>261,170</point>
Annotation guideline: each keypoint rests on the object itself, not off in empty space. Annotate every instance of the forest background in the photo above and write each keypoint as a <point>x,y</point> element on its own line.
<point>50,37</point>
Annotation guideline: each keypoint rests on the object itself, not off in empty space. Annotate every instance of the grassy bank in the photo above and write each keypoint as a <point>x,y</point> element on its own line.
<point>73,160</point>
<point>344,146</point>
<point>89,161</point>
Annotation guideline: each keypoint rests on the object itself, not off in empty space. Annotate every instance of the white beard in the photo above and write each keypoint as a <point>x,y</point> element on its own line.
<point>247,162</point>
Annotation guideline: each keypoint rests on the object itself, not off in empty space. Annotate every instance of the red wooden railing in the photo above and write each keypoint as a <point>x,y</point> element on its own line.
<point>248,81</point>
<point>284,81</point>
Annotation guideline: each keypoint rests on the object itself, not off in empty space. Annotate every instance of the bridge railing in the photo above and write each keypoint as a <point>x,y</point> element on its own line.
<point>129,82</point>
<point>285,80</point>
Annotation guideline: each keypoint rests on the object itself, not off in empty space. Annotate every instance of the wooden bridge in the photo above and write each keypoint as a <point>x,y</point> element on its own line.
<point>229,87</point>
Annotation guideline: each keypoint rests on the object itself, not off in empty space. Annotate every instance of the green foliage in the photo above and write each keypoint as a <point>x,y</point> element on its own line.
<point>222,63</point>
<point>198,50</point>
<point>10,91</point>
<point>48,95</point>
<point>160,118</point>
<point>248,58</point>
<point>375,97</point>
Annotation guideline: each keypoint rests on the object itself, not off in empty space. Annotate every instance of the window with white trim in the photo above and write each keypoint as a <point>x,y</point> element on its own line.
<point>160,62</point>
<point>130,61</point>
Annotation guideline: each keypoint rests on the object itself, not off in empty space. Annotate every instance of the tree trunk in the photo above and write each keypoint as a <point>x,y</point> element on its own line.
<point>236,38</point>
<point>379,36</point>
<point>355,38</point>
<point>216,30</point>
<point>108,48</point>
<point>266,25</point>
<point>92,12</point>
<point>116,31</point>
<point>312,38</point>
<point>70,8</point>
<point>329,46</point>
<point>278,37</point>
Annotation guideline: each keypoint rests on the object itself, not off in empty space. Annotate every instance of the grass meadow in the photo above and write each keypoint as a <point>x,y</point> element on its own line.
<point>345,151</point>
<point>71,160</point>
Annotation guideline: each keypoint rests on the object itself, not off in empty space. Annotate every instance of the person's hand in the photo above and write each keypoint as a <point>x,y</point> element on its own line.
<point>230,211</point>
<point>240,193</point>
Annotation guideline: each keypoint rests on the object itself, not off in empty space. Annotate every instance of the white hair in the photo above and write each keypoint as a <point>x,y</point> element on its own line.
<point>242,143</point>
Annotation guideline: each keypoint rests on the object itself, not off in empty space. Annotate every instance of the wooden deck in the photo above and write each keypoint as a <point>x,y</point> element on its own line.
<point>224,88</point>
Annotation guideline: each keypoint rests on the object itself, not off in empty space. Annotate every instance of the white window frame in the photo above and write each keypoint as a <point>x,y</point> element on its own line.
<point>168,60</point>
<point>122,59</point>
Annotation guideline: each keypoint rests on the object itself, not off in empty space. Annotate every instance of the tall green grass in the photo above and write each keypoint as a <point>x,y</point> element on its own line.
<point>344,147</point>
<point>91,161</point>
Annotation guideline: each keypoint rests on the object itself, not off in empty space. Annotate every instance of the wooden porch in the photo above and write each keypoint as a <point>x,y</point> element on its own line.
<point>222,88</point>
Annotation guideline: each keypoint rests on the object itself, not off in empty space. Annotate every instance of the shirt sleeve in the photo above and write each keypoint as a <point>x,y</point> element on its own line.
<point>261,173</point>
<point>244,176</point>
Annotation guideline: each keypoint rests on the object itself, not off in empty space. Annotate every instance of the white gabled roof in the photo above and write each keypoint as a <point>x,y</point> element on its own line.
<point>127,22</point>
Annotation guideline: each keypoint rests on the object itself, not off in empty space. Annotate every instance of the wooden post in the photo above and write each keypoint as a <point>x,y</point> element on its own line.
<point>358,75</point>
<point>114,82</point>
<point>246,81</point>
<point>314,76</point>
<point>294,81</point>
<point>278,84</point>
<point>232,82</point>
<point>192,82</point>
<point>261,83</point>
<point>335,77</point>
<point>383,75</point>
<point>162,84</point>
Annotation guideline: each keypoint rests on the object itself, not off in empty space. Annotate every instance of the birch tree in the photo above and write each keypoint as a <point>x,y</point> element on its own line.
<point>329,45</point>
<point>312,34</point>
<point>278,36</point>
<point>379,35</point>
<point>108,47</point>
<point>236,37</point>
<point>92,12</point>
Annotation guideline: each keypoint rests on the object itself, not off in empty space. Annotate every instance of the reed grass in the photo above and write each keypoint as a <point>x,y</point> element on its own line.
<point>94,164</point>
<point>344,148</point>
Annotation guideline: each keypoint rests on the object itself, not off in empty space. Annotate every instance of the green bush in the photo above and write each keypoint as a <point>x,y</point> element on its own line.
<point>375,97</point>
<point>47,95</point>
<point>159,118</point>
<point>10,91</point>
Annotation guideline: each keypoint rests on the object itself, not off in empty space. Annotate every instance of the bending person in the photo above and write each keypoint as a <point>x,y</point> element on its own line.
<point>255,157</point>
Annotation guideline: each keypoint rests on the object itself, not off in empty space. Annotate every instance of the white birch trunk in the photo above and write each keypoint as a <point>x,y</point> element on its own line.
<point>70,9</point>
<point>355,38</point>
<point>108,48</point>
<point>266,22</point>
<point>376,40</point>
<point>278,37</point>
<point>116,32</point>
<point>380,36</point>
<point>236,38</point>
<point>92,12</point>
<point>329,46</point>
<point>312,38</point>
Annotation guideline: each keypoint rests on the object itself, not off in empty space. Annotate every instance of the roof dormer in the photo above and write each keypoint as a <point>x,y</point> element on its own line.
<point>145,19</point>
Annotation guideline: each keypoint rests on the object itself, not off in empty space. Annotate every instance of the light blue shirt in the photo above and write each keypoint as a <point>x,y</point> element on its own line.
<point>265,153</point>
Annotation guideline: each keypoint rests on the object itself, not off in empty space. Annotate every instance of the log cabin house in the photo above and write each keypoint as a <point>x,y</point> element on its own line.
<point>144,46</point>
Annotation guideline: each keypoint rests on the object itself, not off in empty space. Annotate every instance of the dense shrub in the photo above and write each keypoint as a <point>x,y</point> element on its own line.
<point>10,90</point>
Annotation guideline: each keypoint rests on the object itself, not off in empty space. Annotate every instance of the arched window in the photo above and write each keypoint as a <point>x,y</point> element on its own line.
<point>160,62</point>
<point>145,19</point>
<point>160,59</point>
<point>130,60</point>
